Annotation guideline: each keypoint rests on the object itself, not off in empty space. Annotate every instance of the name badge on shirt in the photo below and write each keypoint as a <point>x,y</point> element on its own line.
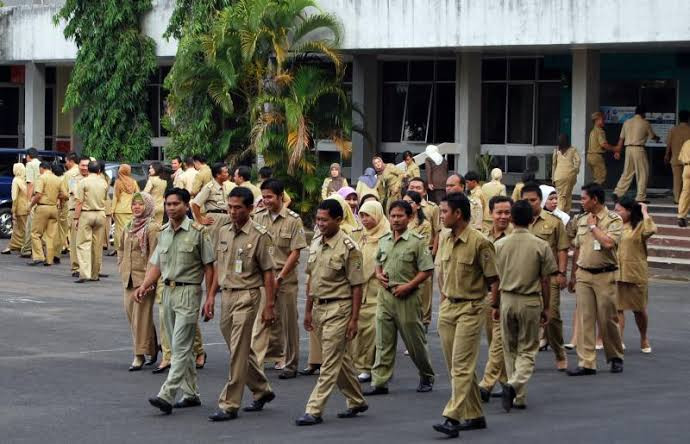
<point>238,261</point>
<point>597,246</point>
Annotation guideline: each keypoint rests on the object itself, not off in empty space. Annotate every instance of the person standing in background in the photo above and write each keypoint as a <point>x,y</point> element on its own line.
<point>677,136</point>
<point>32,174</point>
<point>527,176</point>
<point>565,167</point>
<point>20,209</point>
<point>411,167</point>
<point>334,182</point>
<point>65,219</point>
<point>494,187</point>
<point>186,179</point>
<point>476,194</point>
<point>177,170</point>
<point>203,174</point>
<point>436,167</point>
<point>156,187</point>
<point>90,223</point>
<point>124,190</point>
<point>684,200</point>
<point>46,197</point>
<point>389,184</point>
<point>366,184</point>
<point>596,148</point>
<point>212,199</point>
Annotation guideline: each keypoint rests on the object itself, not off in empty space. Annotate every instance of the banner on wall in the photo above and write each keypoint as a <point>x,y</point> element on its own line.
<point>617,114</point>
<point>661,124</point>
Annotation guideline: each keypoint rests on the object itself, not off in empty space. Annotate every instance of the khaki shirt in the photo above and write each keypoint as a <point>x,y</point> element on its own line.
<point>201,178</point>
<point>71,179</point>
<point>186,179</point>
<point>244,253</point>
<point>684,156</point>
<point>131,260</point>
<point>32,171</point>
<point>49,186</point>
<point>433,215</point>
<point>20,201</point>
<point>533,256</point>
<point>597,140</point>
<point>287,231</point>
<point>334,267</point>
<point>182,254</point>
<point>592,253</point>
<point>476,213</point>
<point>402,259</point>
<point>156,186</point>
<point>122,201</point>
<point>517,191</point>
<point>423,229</point>
<point>412,170</point>
<point>253,188</point>
<point>632,252</point>
<point>390,182</point>
<point>548,227</point>
<point>493,188</point>
<point>676,139</point>
<point>478,195</point>
<point>465,263</point>
<point>491,235</point>
<point>565,165</point>
<point>636,131</point>
<point>212,197</point>
<point>91,192</point>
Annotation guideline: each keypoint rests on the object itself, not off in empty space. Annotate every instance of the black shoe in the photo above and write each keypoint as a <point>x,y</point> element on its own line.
<point>75,274</point>
<point>187,402</point>
<point>161,404</point>
<point>374,391</point>
<point>581,371</point>
<point>310,370</point>
<point>34,263</point>
<point>25,256</point>
<point>520,406</point>
<point>287,374</point>
<point>161,369</point>
<point>353,411</point>
<point>94,280</point>
<point>64,251</point>
<point>472,424</point>
<point>258,404</point>
<point>508,397</point>
<point>498,394</point>
<point>222,415</point>
<point>448,427</point>
<point>484,394</point>
<point>101,275</point>
<point>56,260</point>
<point>425,385</point>
<point>308,420</point>
<point>80,281</point>
<point>616,365</point>
<point>46,264</point>
<point>682,222</point>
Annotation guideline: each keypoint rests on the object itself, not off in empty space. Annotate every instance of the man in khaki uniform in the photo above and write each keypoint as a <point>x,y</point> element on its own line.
<point>476,193</point>
<point>403,263</point>
<point>90,216</point>
<point>213,200</point>
<point>243,177</point>
<point>334,294</point>
<point>66,216</point>
<point>522,290</point>
<point>45,221</point>
<point>32,174</point>
<point>634,135</point>
<point>550,228</point>
<point>288,237</point>
<point>466,267</point>
<point>203,175</point>
<point>594,281</point>
<point>389,185</point>
<point>245,263</point>
<point>495,369</point>
<point>678,135</point>
<point>684,200</point>
<point>456,184</point>
<point>182,260</point>
<point>71,179</point>
<point>598,145</point>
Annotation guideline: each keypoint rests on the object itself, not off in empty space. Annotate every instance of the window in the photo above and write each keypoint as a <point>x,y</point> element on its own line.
<point>493,113</point>
<point>520,101</point>
<point>157,101</point>
<point>418,101</point>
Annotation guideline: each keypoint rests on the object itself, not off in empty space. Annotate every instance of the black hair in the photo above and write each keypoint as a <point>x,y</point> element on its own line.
<point>179,192</point>
<point>33,152</point>
<point>405,206</point>
<point>418,179</point>
<point>189,161</point>
<point>83,158</point>
<point>521,213</point>
<point>594,190</point>
<point>217,168</point>
<point>531,187</point>
<point>527,176</point>
<point>245,194</point>
<point>416,198</point>
<point>44,165</point>
<point>74,157</point>
<point>458,201</point>
<point>178,158</point>
<point>265,172</point>
<point>157,168</point>
<point>497,200</point>
<point>333,207</point>
<point>641,109</point>
<point>58,169</point>
<point>459,176</point>
<point>199,158</point>
<point>94,167</point>
<point>563,141</point>
<point>407,154</point>
<point>472,175</point>
<point>368,196</point>
<point>635,209</point>
<point>275,185</point>
<point>101,166</point>
<point>683,115</point>
<point>244,172</point>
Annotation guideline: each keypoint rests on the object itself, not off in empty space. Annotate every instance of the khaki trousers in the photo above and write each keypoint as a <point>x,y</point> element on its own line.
<point>677,170</point>
<point>287,297</point>
<point>180,314</point>
<point>564,190</point>
<point>197,347</point>
<point>495,369</point>
<point>684,200</point>
<point>637,166</point>
<point>459,326</point>
<point>596,303</point>
<point>330,326</point>
<point>404,316</point>
<point>26,246</point>
<point>314,357</point>
<point>598,166</point>
<point>520,317</point>
<point>554,329</point>
<point>90,243</point>
<point>140,317</point>
<point>426,299</point>
<point>263,335</point>
<point>238,311</point>
<point>18,233</point>
<point>364,344</point>
<point>44,229</point>
<point>63,229</point>
<point>121,220</point>
<point>74,261</point>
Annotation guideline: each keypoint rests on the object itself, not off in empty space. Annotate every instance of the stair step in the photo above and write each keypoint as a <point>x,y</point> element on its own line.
<point>669,241</point>
<point>664,218</point>
<point>674,252</point>
<point>669,263</point>
<point>673,230</point>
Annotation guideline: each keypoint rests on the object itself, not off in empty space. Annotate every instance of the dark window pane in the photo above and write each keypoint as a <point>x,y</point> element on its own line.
<point>522,69</point>
<point>9,142</point>
<point>494,69</point>
<point>5,73</point>
<point>549,113</point>
<point>516,164</point>
<point>48,143</point>
<point>520,98</point>
<point>659,96</point>
<point>49,111</point>
<point>163,106</point>
<point>394,71</point>
<point>152,107</point>
<point>547,72</point>
<point>393,111</point>
<point>165,70</point>
<point>445,70</point>
<point>347,75</point>
<point>9,111</point>
<point>500,162</point>
<point>493,113</point>
<point>444,113</point>
<point>422,71</point>
<point>619,92</point>
<point>50,75</point>
<point>417,118</point>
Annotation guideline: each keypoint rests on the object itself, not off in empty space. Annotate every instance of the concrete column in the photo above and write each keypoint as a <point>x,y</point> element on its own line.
<point>468,104</point>
<point>585,92</point>
<point>35,106</point>
<point>365,96</point>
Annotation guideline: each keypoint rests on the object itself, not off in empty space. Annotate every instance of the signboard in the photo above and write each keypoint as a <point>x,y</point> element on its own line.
<point>617,114</point>
<point>661,124</point>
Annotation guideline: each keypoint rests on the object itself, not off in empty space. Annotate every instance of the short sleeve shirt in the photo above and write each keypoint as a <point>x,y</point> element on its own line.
<point>636,131</point>
<point>71,179</point>
<point>535,259</point>
<point>592,254</point>
<point>181,254</point>
<point>202,177</point>
<point>48,185</point>
<point>433,215</point>
<point>334,267</point>
<point>244,253</point>
<point>287,231</point>
<point>92,193</point>
<point>403,258</point>
<point>212,197</point>
<point>32,171</point>
<point>597,140</point>
<point>548,227</point>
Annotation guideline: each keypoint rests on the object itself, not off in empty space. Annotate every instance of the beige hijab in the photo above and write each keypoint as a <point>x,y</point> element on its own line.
<point>370,241</point>
<point>19,172</point>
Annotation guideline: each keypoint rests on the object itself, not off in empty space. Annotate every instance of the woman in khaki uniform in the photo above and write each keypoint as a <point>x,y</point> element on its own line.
<point>125,187</point>
<point>138,242</point>
<point>564,169</point>
<point>334,182</point>
<point>156,186</point>
<point>632,277</point>
<point>20,208</point>
<point>363,347</point>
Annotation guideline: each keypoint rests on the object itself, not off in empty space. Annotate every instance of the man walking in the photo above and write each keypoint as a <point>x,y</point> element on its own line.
<point>32,175</point>
<point>213,199</point>
<point>598,145</point>
<point>90,216</point>
<point>45,224</point>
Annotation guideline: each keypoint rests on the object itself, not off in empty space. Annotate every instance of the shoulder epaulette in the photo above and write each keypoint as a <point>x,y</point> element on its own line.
<point>260,211</point>
<point>431,203</point>
<point>164,226</point>
<point>356,229</point>
<point>197,226</point>
<point>417,235</point>
<point>349,243</point>
<point>260,228</point>
<point>614,215</point>
<point>293,214</point>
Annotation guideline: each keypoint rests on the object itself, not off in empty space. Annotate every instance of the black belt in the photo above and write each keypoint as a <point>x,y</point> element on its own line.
<point>641,146</point>
<point>459,300</point>
<point>608,269</point>
<point>328,301</point>
<point>174,284</point>
<point>47,205</point>
<point>92,210</point>
<point>216,211</point>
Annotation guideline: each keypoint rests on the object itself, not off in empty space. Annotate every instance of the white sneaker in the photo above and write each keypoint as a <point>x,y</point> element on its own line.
<point>364,377</point>
<point>646,350</point>
<point>599,347</point>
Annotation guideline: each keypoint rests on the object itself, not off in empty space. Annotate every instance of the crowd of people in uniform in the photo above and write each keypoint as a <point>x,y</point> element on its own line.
<point>376,253</point>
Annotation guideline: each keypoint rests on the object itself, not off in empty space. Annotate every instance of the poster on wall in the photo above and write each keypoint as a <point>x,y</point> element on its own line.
<point>617,114</point>
<point>661,124</point>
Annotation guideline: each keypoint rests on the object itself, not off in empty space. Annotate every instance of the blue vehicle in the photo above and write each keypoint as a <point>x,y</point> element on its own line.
<point>8,157</point>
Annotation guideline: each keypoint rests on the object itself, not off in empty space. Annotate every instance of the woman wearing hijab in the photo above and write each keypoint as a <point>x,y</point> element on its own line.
<point>334,183</point>
<point>20,208</point>
<point>138,242</point>
<point>494,187</point>
<point>436,167</point>
<point>550,203</point>
<point>156,186</point>
<point>363,347</point>
<point>350,196</point>
<point>565,166</point>
<point>125,187</point>
<point>366,184</point>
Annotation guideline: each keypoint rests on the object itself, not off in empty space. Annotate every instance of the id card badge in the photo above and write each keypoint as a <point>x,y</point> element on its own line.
<point>238,265</point>
<point>597,245</point>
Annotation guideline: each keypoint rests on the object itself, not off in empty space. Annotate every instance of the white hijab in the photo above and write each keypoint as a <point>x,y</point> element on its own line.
<point>432,153</point>
<point>546,191</point>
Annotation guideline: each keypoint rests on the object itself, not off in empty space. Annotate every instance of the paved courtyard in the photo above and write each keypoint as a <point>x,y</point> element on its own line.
<point>65,350</point>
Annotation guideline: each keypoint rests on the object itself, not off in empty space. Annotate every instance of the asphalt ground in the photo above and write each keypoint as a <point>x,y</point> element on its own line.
<point>65,349</point>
